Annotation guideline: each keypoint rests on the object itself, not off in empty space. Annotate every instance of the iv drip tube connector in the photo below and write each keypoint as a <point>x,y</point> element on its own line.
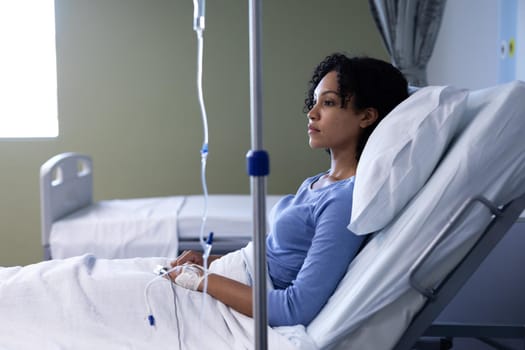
<point>198,15</point>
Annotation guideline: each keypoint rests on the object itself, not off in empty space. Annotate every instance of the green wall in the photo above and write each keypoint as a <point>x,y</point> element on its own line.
<point>127,97</point>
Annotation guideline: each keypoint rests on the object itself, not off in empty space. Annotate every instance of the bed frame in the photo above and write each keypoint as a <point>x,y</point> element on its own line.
<point>66,185</point>
<point>439,296</point>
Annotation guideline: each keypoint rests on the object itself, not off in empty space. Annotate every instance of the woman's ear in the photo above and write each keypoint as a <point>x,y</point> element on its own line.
<point>368,117</point>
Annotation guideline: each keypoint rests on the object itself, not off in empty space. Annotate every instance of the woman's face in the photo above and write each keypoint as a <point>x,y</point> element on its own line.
<point>329,125</point>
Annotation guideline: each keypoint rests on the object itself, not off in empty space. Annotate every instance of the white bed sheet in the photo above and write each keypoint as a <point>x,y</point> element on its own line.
<point>119,229</point>
<point>145,227</point>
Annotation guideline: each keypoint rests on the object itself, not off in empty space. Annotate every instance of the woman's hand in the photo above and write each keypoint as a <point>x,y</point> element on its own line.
<point>189,276</point>
<point>188,257</point>
<point>192,257</point>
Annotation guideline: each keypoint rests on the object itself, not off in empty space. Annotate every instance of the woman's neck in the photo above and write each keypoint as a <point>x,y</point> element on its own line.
<point>342,166</point>
<point>340,169</point>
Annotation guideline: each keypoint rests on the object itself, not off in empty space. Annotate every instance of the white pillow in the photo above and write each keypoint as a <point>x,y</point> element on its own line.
<point>401,154</point>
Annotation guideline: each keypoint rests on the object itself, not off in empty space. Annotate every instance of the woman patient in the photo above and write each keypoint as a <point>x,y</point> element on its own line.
<point>309,247</point>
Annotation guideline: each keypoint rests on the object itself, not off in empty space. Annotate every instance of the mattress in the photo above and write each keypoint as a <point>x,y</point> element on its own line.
<point>151,226</point>
<point>229,216</point>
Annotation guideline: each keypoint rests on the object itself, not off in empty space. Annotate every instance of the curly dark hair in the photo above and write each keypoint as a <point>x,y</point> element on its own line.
<point>370,82</point>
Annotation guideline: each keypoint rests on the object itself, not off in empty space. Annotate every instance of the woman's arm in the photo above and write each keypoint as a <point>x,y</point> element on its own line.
<point>232,293</point>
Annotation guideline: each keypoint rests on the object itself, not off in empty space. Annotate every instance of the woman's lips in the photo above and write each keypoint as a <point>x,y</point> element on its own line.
<point>312,130</point>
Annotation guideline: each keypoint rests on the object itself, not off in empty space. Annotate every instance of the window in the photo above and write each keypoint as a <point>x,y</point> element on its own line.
<point>28,83</point>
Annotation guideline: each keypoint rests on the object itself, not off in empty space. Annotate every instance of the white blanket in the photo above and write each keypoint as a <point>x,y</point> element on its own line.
<point>89,303</point>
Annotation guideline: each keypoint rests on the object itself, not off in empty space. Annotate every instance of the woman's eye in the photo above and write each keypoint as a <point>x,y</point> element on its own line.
<point>328,102</point>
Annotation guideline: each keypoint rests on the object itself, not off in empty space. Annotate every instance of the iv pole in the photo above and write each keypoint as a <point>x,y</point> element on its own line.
<point>258,169</point>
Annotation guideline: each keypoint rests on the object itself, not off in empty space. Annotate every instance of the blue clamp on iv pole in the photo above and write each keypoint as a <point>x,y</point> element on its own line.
<point>258,163</point>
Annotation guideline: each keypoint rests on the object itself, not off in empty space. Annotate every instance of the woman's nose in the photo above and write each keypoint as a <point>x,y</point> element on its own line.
<point>312,113</point>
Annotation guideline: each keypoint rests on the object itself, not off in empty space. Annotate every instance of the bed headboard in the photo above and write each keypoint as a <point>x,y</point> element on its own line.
<point>66,185</point>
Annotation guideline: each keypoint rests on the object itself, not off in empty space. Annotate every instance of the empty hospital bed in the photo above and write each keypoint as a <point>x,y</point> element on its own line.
<point>428,243</point>
<point>73,224</point>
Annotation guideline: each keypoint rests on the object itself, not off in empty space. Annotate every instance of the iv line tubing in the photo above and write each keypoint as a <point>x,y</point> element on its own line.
<point>200,49</point>
<point>204,150</point>
<point>204,156</point>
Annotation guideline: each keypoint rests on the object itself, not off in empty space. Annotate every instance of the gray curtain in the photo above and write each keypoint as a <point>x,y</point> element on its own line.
<point>409,29</point>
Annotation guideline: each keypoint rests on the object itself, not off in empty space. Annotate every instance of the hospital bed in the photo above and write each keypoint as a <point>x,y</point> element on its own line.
<point>72,223</point>
<point>465,172</point>
<point>432,242</point>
